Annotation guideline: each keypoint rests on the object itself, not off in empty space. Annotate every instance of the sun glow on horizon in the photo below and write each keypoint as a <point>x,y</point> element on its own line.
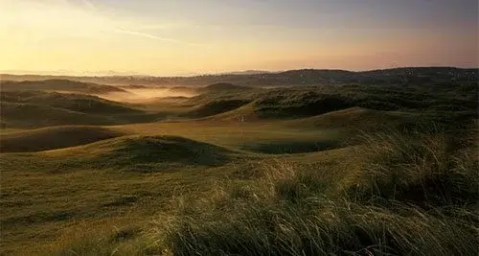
<point>187,37</point>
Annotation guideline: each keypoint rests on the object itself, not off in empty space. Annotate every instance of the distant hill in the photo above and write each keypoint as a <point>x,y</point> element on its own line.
<point>247,72</point>
<point>73,102</point>
<point>396,76</point>
<point>59,85</point>
<point>223,87</point>
<point>29,109</point>
<point>304,101</point>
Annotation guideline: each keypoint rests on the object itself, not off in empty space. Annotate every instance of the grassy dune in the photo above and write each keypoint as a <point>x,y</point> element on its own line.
<point>326,170</point>
<point>58,85</point>
<point>377,199</point>
<point>34,109</point>
<point>53,137</point>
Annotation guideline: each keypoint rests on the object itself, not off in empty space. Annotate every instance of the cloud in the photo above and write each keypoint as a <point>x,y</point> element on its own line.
<point>46,19</point>
<point>150,36</point>
<point>121,29</point>
<point>89,5</point>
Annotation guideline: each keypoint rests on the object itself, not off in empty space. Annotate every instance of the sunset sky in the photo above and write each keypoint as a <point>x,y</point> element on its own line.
<point>185,37</point>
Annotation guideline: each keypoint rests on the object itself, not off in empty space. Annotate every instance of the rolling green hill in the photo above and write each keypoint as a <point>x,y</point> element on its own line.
<point>74,102</point>
<point>300,102</point>
<point>39,109</point>
<point>381,166</point>
<point>220,87</point>
<point>358,119</point>
<point>59,85</point>
<point>141,153</point>
<point>226,101</point>
<point>53,137</point>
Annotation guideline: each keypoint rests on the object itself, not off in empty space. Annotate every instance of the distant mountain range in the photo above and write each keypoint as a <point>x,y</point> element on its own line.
<point>247,72</point>
<point>396,76</point>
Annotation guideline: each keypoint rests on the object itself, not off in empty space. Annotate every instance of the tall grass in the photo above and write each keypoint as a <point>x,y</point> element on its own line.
<point>322,228</point>
<point>408,194</point>
<point>426,169</point>
<point>424,185</point>
<point>101,239</point>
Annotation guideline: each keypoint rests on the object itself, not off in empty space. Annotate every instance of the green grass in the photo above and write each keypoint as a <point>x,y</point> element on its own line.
<point>53,137</point>
<point>347,201</point>
<point>58,85</point>
<point>281,208</point>
<point>144,153</point>
<point>289,211</point>
<point>347,170</point>
<point>289,147</point>
<point>34,109</point>
<point>422,168</point>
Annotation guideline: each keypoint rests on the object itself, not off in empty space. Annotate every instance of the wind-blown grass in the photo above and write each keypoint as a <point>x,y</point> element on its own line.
<point>424,187</point>
<point>421,168</point>
<point>406,193</point>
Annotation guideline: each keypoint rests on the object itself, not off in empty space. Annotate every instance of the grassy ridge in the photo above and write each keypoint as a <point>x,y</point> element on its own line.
<point>53,137</point>
<point>145,153</point>
<point>442,101</point>
<point>58,85</point>
<point>227,101</point>
<point>32,109</point>
<point>73,102</point>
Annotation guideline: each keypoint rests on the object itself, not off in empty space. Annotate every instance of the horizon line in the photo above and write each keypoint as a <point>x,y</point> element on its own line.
<point>237,72</point>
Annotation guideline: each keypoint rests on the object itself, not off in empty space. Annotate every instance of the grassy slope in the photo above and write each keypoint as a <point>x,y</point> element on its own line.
<point>31,109</point>
<point>143,153</point>
<point>59,85</point>
<point>124,182</point>
<point>235,135</point>
<point>120,201</point>
<point>53,137</point>
<point>101,198</point>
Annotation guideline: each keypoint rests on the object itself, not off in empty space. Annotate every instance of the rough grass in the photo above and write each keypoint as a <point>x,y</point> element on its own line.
<point>289,147</point>
<point>421,168</point>
<point>288,212</point>
<point>108,240</point>
<point>321,227</point>
<point>284,209</point>
<point>405,192</point>
<point>140,153</point>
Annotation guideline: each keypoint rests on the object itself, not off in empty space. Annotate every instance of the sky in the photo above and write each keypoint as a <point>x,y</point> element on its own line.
<point>188,37</point>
